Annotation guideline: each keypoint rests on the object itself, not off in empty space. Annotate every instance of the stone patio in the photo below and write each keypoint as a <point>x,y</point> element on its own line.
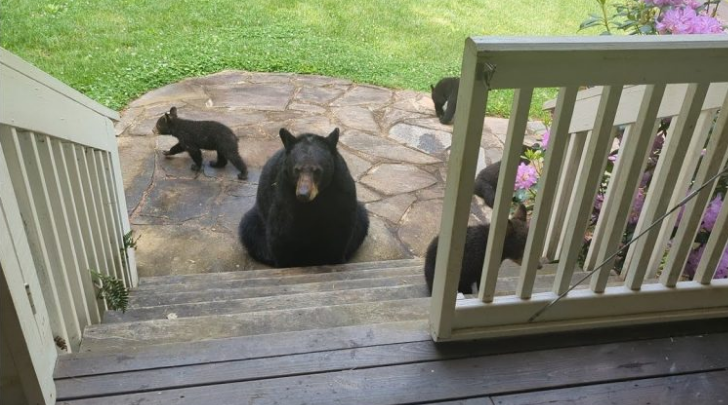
<point>395,148</point>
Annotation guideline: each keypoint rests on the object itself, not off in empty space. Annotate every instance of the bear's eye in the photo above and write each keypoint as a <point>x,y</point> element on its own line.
<point>316,171</point>
<point>296,170</point>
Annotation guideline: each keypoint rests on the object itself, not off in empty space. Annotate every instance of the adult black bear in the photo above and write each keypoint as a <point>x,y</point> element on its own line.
<point>445,92</point>
<point>196,135</point>
<point>306,212</point>
<point>476,240</point>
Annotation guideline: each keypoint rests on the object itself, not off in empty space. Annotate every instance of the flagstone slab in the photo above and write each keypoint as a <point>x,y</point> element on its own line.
<point>365,95</point>
<point>177,201</point>
<point>170,93</point>
<point>392,208</point>
<point>365,195</point>
<point>255,152</point>
<point>257,96</point>
<point>229,207</point>
<point>427,140</point>
<point>391,116</point>
<point>137,168</point>
<point>383,148</point>
<point>313,124</point>
<point>357,166</point>
<point>357,118</point>
<point>394,179</point>
<point>380,244</point>
<point>309,108</point>
<point>420,225</point>
<point>187,249</point>
<point>319,95</point>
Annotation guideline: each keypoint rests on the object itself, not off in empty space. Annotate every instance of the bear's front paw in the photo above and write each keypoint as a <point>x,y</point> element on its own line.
<point>167,153</point>
<point>195,167</point>
<point>242,175</point>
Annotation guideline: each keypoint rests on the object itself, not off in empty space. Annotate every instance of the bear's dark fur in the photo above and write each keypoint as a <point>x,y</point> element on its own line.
<point>445,91</point>
<point>476,240</point>
<point>196,135</point>
<point>306,212</point>
<point>487,180</point>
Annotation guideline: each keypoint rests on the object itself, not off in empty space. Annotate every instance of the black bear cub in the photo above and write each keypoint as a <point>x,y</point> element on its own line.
<point>196,135</point>
<point>306,212</point>
<point>445,97</point>
<point>476,240</point>
<point>486,181</point>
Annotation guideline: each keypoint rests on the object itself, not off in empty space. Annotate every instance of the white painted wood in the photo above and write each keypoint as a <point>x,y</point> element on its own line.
<point>109,208</point>
<point>94,207</point>
<point>690,163</point>
<point>102,206</point>
<point>73,212</point>
<point>78,180</point>
<point>555,235</point>
<point>468,127</point>
<point>122,209</point>
<point>591,169</point>
<point>33,226</point>
<point>662,184</point>
<point>713,162</point>
<point>714,248</point>
<point>558,140</point>
<point>45,110</point>
<point>523,63</point>
<point>116,212</point>
<point>24,321</point>
<point>624,182</point>
<point>602,60</point>
<point>588,307</point>
<point>57,262</point>
<point>588,100</point>
<point>51,169</point>
<point>504,192</point>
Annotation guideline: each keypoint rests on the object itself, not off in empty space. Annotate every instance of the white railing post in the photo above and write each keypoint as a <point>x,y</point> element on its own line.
<point>663,83</point>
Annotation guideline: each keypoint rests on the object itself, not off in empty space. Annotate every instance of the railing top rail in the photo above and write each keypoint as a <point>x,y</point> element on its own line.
<point>19,65</point>
<point>599,43</point>
<point>577,61</point>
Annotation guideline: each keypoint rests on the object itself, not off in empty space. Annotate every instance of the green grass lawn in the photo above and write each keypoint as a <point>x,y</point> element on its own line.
<point>114,51</point>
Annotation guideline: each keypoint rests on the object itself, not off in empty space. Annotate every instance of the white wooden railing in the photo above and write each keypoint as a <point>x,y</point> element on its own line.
<point>63,214</point>
<point>639,79</point>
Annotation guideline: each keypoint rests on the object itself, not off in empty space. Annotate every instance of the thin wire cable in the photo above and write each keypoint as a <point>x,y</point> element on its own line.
<point>657,221</point>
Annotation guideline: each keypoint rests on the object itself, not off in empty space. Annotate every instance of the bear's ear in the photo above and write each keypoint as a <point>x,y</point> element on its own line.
<point>173,112</point>
<point>288,139</point>
<point>333,138</point>
<point>520,213</point>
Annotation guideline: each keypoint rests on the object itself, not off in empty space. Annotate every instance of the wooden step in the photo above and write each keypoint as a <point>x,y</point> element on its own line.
<point>212,281</point>
<point>240,348</point>
<point>275,272</point>
<point>277,302</point>
<point>149,299</point>
<point>122,336</point>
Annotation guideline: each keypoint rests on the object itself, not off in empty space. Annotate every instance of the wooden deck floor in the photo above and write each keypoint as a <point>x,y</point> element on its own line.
<point>397,363</point>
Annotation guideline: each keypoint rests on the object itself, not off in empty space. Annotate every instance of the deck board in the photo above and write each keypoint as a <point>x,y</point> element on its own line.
<point>410,373</point>
<point>694,389</point>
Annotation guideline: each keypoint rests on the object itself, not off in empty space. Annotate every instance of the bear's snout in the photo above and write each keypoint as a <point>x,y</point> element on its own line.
<point>306,189</point>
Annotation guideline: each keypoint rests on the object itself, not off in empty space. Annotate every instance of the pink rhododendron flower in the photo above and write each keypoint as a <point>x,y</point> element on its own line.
<point>693,261</point>
<point>663,3</point>
<point>711,213</point>
<point>525,177</point>
<point>545,139</point>
<point>639,201</point>
<point>686,20</point>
